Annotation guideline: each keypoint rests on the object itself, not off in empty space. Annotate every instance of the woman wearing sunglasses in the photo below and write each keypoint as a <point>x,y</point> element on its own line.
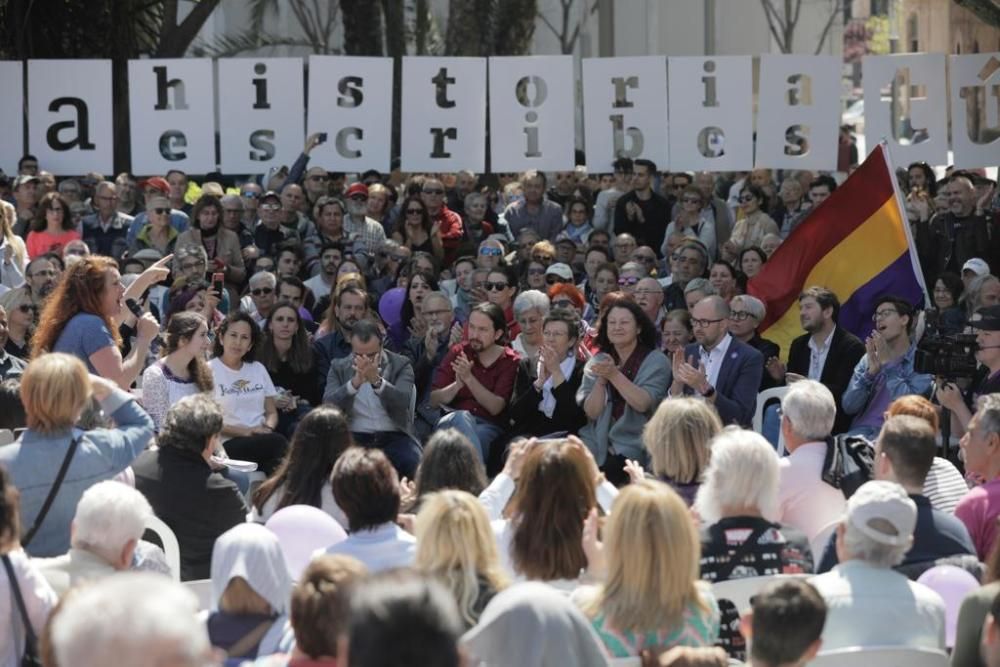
<point>417,232</point>
<point>501,288</point>
<point>752,227</point>
<point>21,312</point>
<point>159,234</point>
<point>533,275</point>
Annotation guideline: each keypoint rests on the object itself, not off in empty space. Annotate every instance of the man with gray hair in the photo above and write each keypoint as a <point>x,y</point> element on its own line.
<point>132,619</point>
<point>110,519</point>
<point>261,296</point>
<point>868,604</point>
<point>980,507</point>
<point>805,500</point>
<point>105,229</point>
<point>534,210</point>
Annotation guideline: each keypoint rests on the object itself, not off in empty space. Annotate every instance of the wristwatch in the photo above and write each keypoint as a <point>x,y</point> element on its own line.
<point>377,384</point>
<point>710,393</point>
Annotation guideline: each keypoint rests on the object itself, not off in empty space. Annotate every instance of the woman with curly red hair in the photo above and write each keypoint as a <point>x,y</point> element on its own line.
<point>82,313</point>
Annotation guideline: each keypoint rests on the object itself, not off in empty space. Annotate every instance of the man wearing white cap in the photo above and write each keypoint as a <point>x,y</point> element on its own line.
<point>869,604</point>
<point>972,269</point>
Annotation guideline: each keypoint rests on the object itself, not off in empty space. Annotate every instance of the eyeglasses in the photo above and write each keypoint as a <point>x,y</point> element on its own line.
<point>562,303</point>
<point>552,279</point>
<point>882,314</point>
<point>319,178</point>
<point>414,211</point>
<point>27,308</point>
<point>359,197</point>
<point>161,211</point>
<point>701,324</point>
<point>746,198</point>
<point>249,195</point>
<point>45,273</point>
<point>107,197</point>
<point>491,252</point>
<point>739,315</point>
<point>262,291</point>
<point>270,207</point>
<point>433,191</point>
<point>536,271</point>
<point>495,287</point>
<point>542,258</point>
<point>648,292</point>
<point>627,280</point>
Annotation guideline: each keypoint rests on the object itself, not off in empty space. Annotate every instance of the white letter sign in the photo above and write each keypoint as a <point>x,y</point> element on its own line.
<point>444,114</point>
<point>172,114</point>
<point>69,104</point>
<point>975,109</point>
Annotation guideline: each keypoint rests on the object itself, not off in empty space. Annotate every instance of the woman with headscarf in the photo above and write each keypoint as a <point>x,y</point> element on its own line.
<point>250,592</point>
<point>532,625</point>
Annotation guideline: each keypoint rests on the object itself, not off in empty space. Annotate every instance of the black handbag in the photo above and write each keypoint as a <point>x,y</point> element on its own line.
<point>31,657</point>
<point>849,463</point>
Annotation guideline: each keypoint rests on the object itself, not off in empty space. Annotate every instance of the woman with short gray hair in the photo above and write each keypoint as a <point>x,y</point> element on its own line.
<point>530,309</point>
<point>738,501</point>
<point>183,483</point>
<point>745,315</point>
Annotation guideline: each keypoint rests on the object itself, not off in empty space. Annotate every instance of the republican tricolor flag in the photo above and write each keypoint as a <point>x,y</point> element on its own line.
<point>857,244</point>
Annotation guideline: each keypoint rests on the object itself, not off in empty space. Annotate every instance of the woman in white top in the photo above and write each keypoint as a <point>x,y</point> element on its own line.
<point>542,538</point>
<point>246,394</point>
<point>182,371</point>
<point>304,475</point>
<point>39,598</point>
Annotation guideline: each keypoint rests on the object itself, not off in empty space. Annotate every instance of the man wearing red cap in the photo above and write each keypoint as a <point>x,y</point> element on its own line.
<point>155,186</point>
<point>358,225</point>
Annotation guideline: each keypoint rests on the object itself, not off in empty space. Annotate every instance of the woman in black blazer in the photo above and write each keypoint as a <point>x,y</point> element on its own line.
<point>544,398</point>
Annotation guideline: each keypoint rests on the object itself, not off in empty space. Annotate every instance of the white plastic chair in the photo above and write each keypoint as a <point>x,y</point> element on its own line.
<point>171,549</point>
<point>883,656</point>
<point>763,398</point>
<point>202,589</point>
<point>257,477</point>
<point>739,591</point>
<point>818,543</point>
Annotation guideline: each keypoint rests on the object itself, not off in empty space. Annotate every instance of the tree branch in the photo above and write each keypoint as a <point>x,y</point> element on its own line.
<point>826,28</point>
<point>771,21</point>
<point>986,11</point>
<point>176,38</point>
<point>548,24</point>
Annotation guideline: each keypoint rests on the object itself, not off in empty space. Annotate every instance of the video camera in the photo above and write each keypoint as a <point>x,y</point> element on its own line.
<point>950,356</point>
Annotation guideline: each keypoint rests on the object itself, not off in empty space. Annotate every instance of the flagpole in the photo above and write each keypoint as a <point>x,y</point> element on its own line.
<point>901,203</point>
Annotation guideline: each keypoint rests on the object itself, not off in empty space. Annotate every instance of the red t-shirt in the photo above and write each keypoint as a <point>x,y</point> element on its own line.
<point>498,378</point>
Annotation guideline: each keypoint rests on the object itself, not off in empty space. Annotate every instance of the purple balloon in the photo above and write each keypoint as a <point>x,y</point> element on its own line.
<point>390,306</point>
<point>302,530</point>
<point>952,584</point>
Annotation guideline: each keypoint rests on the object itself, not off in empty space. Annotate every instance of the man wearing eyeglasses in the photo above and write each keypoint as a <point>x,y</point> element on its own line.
<point>105,231</point>
<point>535,210</point>
<point>269,232</point>
<point>447,223</point>
<point>688,262</point>
<point>721,369</point>
<point>886,371</point>
<point>426,353</point>
<point>41,277</point>
<point>250,193</point>
<point>374,388</point>
<point>151,188</point>
<point>262,296</point>
<point>10,366</point>
<point>649,295</point>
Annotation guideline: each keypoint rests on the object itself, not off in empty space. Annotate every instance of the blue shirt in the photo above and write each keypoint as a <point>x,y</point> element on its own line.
<point>83,335</point>
<point>867,397</point>
<point>33,462</point>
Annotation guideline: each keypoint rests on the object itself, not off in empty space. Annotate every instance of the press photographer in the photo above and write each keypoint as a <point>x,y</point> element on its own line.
<point>986,324</point>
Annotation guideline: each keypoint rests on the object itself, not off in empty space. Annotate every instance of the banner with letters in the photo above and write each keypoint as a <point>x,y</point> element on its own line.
<point>246,115</point>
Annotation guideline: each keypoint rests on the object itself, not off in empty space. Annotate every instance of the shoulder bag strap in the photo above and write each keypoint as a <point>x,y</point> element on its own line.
<point>52,493</point>
<point>31,641</point>
<point>727,570</point>
<point>250,640</point>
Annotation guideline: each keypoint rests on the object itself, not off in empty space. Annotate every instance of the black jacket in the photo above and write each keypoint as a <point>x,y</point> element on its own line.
<point>845,351</point>
<point>523,410</point>
<point>197,503</point>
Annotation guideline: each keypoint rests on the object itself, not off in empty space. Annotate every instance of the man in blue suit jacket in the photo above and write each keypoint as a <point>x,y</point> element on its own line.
<point>720,368</point>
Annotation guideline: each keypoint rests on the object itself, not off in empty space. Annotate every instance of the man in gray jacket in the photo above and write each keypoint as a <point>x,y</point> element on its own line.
<point>374,387</point>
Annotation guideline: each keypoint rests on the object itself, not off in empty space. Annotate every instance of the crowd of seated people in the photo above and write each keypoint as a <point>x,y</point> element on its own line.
<point>527,410</point>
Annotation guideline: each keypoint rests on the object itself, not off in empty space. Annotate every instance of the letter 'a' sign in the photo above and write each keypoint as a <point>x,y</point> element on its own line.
<point>69,104</point>
<point>172,114</point>
<point>444,114</point>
